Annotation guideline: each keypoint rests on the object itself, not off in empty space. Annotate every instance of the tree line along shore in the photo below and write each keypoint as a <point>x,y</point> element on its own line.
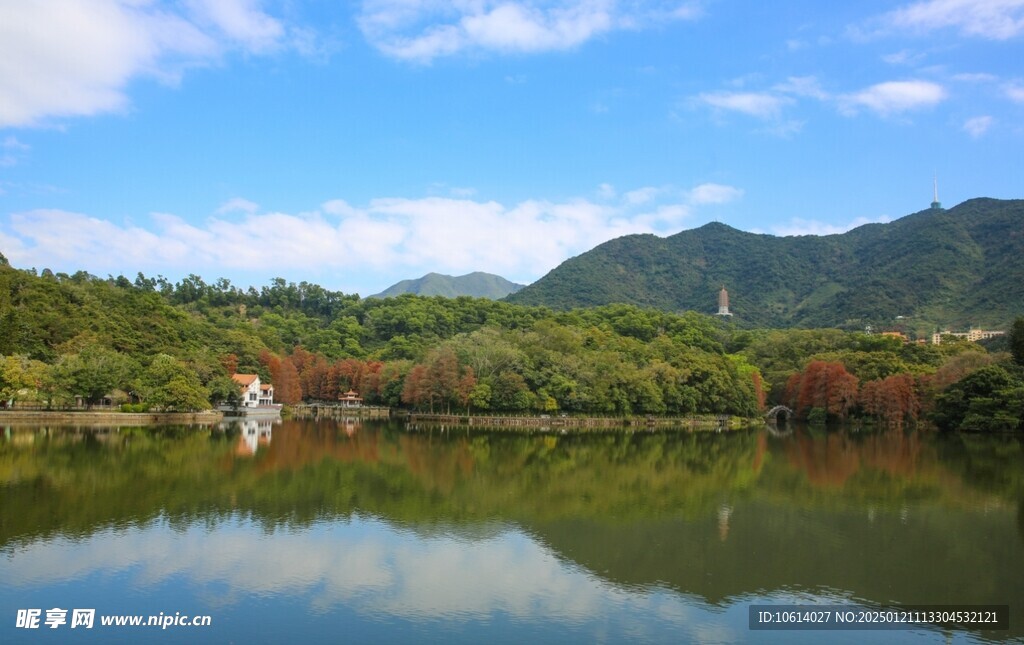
<point>68,340</point>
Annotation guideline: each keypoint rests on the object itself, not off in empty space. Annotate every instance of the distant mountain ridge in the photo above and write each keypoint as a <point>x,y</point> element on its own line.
<point>950,268</point>
<point>477,285</point>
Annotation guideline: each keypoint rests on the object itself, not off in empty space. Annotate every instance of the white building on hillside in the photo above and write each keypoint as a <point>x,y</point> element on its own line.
<point>253,393</point>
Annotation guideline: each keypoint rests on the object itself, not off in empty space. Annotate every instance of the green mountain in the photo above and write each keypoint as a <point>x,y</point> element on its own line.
<point>476,285</point>
<point>957,267</point>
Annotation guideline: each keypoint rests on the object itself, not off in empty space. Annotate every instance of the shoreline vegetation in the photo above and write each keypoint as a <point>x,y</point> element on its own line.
<point>583,424</point>
<point>153,347</point>
<point>413,421</point>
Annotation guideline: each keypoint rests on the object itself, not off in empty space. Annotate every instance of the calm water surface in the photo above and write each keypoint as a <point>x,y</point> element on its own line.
<point>325,532</point>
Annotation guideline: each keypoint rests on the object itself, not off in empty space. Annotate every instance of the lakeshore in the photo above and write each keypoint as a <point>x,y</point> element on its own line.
<point>542,423</point>
<point>584,424</point>
<point>107,418</point>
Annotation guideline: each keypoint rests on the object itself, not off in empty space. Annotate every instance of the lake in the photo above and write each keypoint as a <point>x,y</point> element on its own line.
<point>328,531</point>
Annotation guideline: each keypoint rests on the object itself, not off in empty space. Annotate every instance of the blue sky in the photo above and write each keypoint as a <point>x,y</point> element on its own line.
<point>355,144</point>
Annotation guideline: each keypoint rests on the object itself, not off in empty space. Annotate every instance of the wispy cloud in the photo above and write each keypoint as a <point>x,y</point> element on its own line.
<point>893,97</point>
<point>978,126</point>
<point>407,236</point>
<point>798,226</point>
<point>237,204</point>
<point>11,151</point>
<point>903,57</point>
<point>423,31</point>
<point>1014,92</point>
<point>714,194</point>
<point>802,86</point>
<point>975,77</point>
<point>241,21</point>
<point>95,48</point>
<point>762,105</point>
<point>990,19</point>
<point>769,105</point>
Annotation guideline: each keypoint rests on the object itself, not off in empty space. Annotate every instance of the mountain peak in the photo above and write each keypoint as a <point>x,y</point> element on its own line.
<point>955,267</point>
<point>476,284</point>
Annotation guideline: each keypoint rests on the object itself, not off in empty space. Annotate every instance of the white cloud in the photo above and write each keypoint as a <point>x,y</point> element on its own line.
<point>641,195</point>
<point>893,97</point>
<point>804,86</point>
<point>976,77</point>
<point>903,57</point>
<point>761,105</point>
<point>238,204</point>
<point>714,194</point>
<point>606,191</point>
<point>991,19</point>
<point>770,105</point>
<point>12,143</point>
<point>422,30</point>
<point>241,21</point>
<point>64,58</point>
<point>799,226</point>
<point>1015,93</point>
<point>784,129</point>
<point>977,126</point>
<point>462,191</point>
<point>373,569</point>
<point>396,235</point>
<point>11,151</point>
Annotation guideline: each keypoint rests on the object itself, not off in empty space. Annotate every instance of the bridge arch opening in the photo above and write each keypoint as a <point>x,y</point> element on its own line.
<point>780,413</point>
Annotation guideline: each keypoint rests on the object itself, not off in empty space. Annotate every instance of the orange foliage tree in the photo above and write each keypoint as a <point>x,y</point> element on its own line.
<point>893,399</point>
<point>284,376</point>
<point>823,385</point>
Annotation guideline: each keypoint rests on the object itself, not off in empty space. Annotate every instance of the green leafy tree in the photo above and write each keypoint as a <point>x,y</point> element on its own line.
<point>19,375</point>
<point>169,384</point>
<point>224,390</point>
<point>989,399</point>
<point>95,372</point>
<point>480,397</point>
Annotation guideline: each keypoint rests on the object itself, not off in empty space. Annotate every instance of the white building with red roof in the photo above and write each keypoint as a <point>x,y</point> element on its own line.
<point>253,393</point>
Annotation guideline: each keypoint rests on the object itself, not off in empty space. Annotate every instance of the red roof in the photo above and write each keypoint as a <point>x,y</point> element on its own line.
<point>245,380</point>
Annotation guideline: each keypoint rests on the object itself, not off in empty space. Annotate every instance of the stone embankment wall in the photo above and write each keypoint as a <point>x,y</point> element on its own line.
<point>86,418</point>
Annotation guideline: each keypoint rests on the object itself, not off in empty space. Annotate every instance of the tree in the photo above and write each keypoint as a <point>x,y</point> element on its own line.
<point>827,386</point>
<point>169,384</point>
<point>989,399</point>
<point>510,392</point>
<point>893,399</point>
<point>1017,340</point>
<point>284,376</point>
<point>480,397</point>
<point>466,388</point>
<point>18,375</point>
<point>443,376</point>
<point>416,389</point>
<point>224,390</point>
<point>94,373</point>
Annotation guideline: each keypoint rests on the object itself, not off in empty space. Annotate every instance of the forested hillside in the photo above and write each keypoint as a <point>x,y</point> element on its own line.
<point>944,268</point>
<point>60,331</point>
<point>157,345</point>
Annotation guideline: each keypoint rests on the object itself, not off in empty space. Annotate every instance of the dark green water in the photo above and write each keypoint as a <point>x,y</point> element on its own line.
<point>321,532</point>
